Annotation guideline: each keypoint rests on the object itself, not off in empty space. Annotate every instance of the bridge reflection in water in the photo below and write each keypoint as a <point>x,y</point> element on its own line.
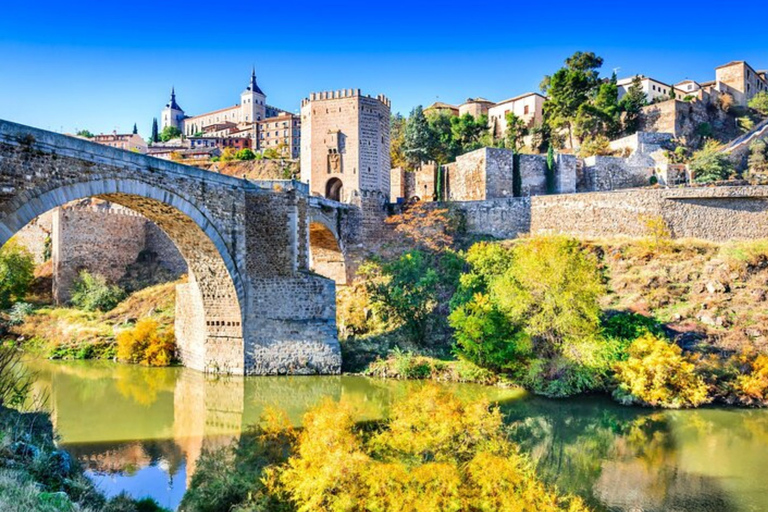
<point>142,429</point>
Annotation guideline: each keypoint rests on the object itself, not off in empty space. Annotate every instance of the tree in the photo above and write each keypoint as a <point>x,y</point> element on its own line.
<point>672,93</point>
<point>84,133</point>
<point>425,227</point>
<point>569,88</point>
<point>516,131</point>
<point>418,142</point>
<point>632,105</point>
<point>396,140</point>
<point>228,154</point>
<point>759,103</point>
<point>169,133</point>
<point>135,129</point>
<point>155,135</point>
<point>710,164</point>
<point>405,292</point>
<point>466,131</point>
<point>444,146</point>
<point>245,154</point>
<point>551,290</point>
<point>16,273</point>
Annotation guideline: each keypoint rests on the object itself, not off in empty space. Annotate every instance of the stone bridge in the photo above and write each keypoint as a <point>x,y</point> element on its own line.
<point>251,305</point>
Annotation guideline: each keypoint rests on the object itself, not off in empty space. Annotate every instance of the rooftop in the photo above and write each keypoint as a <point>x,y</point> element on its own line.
<point>517,98</point>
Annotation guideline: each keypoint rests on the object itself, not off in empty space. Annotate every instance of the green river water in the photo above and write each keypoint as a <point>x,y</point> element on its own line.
<point>140,430</point>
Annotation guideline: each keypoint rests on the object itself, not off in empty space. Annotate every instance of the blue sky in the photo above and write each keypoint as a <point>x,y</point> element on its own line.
<point>105,65</point>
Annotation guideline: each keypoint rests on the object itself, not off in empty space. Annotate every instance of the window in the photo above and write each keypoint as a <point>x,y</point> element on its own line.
<point>526,110</point>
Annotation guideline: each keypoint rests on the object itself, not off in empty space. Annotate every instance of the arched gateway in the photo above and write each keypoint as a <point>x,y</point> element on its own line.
<point>251,306</point>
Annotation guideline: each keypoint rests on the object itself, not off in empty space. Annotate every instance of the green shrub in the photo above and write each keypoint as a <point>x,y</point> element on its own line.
<point>710,164</point>
<point>92,293</point>
<point>656,373</point>
<point>560,377</point>
<point>630,326</point>
<point>17,269</point>
<point>486,337</point>
<point>19,312</point>
<point>245,154</point>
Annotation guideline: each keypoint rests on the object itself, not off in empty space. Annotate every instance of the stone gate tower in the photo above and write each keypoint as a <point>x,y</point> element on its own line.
<point>345,149</point>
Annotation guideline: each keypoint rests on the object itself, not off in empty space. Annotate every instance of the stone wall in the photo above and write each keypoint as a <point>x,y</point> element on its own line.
<point>101,239</point>
<point>710,213</point>
<point>292,323</point>
<point>684,119</point>
<point>36,235</point>
<point>603,173</point>
<point>468,183</point>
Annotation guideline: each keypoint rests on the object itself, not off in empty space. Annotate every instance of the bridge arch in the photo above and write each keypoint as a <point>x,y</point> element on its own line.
<point>210,307</point>
<point>327,254</point>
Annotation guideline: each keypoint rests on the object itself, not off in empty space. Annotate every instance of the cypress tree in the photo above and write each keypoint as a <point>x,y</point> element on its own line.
<point>135,129</point>
<point>551,170</point>
<point>155,135</point>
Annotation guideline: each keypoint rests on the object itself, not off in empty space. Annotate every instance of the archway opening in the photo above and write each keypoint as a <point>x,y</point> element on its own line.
<point>333,189</point>
<point>208,319</point>
<point>326,255</point>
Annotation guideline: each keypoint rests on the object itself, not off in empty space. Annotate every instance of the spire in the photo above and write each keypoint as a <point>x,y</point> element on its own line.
<point>172,104</point>
<point>253,86</point>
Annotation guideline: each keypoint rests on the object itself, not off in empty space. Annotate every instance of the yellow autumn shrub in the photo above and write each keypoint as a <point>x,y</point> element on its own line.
<point>146,343</point>
<point>656,373</point>
<point>753,385</point>
<point>435,453</point>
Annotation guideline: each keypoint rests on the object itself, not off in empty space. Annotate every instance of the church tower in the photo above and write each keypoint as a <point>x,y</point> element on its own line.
<point>172,114</point>
<point>252,102</point>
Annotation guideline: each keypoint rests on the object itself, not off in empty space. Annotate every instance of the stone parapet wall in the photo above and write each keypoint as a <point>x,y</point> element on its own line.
<point>709,213</point>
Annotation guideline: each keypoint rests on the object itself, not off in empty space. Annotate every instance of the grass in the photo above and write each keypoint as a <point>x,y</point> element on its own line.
<point>68,333</point>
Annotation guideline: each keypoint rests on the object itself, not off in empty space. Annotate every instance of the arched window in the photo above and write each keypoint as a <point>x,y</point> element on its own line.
<point>333,189</point>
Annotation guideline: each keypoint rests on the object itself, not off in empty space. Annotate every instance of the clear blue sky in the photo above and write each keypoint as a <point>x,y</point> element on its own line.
<point>105,65</point>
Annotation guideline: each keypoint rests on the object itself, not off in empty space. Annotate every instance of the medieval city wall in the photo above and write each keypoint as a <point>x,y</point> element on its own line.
<point>709,213</point>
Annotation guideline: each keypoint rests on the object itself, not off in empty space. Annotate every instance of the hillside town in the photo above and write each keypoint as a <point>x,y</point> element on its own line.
<point>645,131</point>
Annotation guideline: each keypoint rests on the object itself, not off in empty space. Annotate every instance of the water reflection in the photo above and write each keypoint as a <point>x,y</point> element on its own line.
<point>635,459</point>
<point>141,430</point>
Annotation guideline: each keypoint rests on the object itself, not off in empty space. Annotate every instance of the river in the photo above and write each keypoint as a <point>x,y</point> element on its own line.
<point>140,430</point>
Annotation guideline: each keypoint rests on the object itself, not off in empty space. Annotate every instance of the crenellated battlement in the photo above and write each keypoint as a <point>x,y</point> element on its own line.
<point>343,94</point>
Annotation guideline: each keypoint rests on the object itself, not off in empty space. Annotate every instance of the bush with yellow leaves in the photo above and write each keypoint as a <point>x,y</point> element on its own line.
<point>146,343</point>
<point>656,373</point>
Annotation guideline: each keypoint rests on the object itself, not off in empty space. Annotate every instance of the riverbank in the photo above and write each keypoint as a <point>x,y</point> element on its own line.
<point>37,476</point>
<point>71,333</point>
<point>701,303</point>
